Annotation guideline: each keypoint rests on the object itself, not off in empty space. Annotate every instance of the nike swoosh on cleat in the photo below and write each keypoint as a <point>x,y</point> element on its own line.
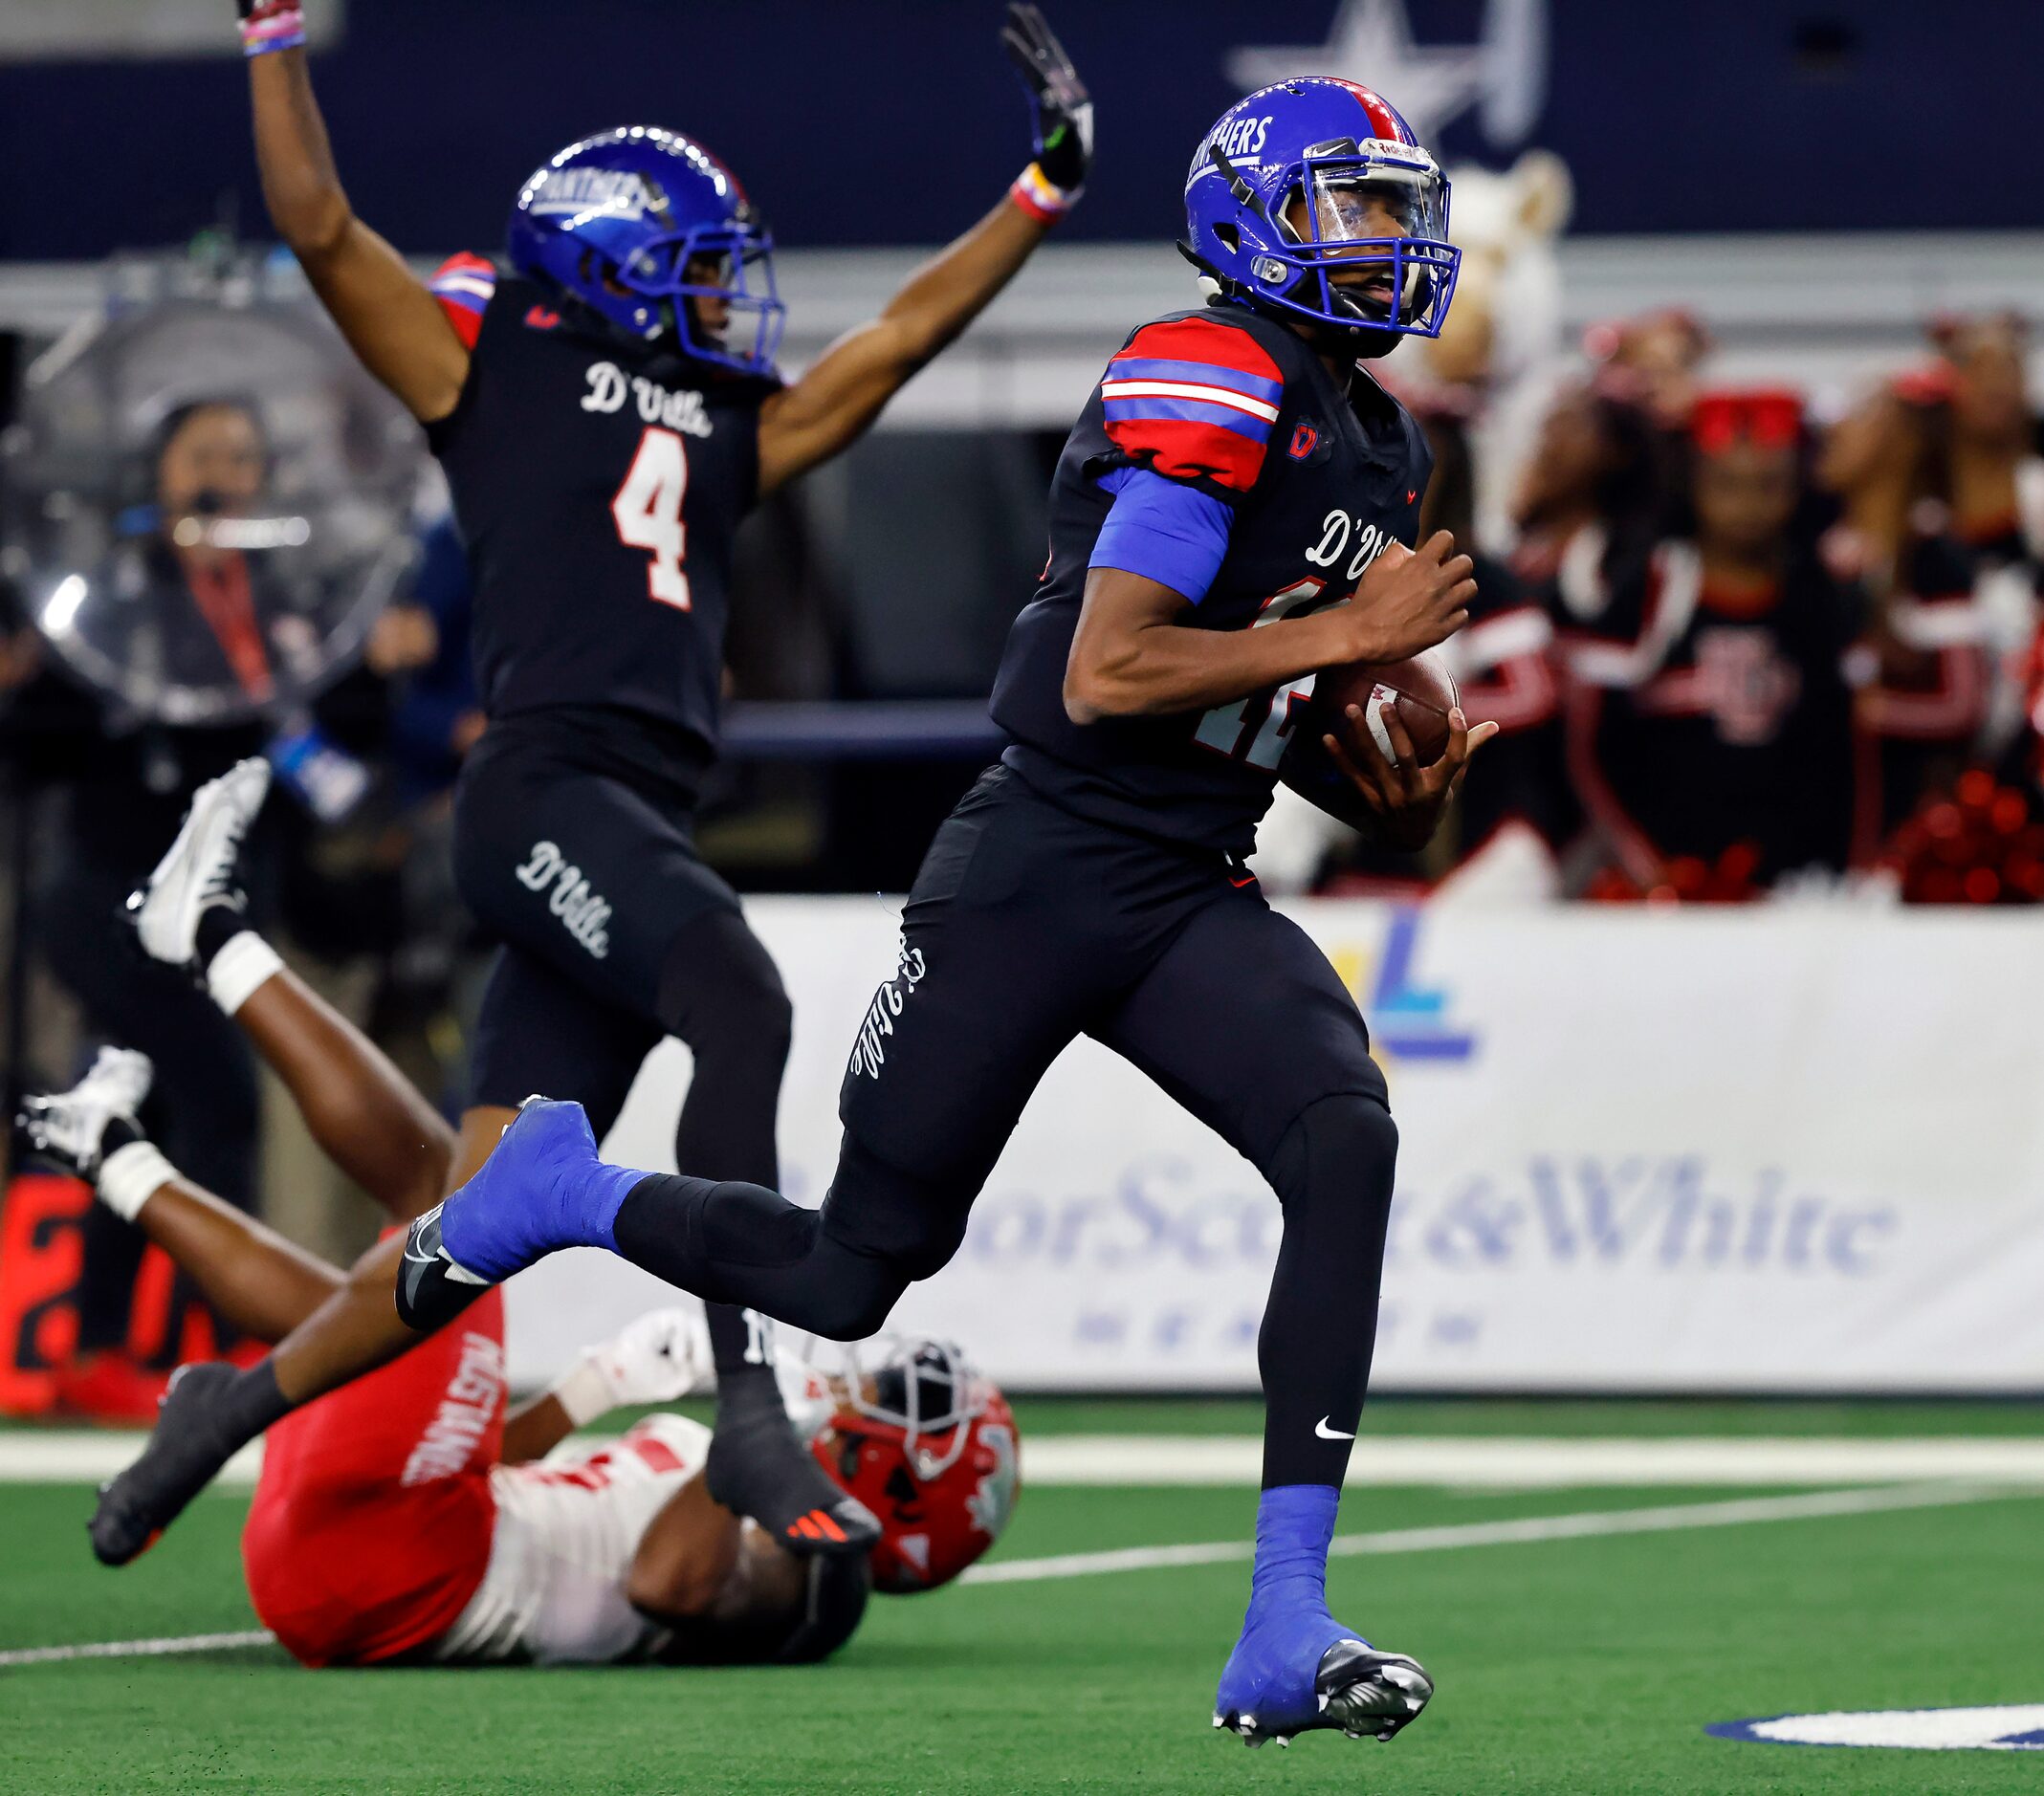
<point>1326,1433</point>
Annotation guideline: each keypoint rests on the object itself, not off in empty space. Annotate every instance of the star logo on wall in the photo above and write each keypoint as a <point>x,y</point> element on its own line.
<point>1370,41</point>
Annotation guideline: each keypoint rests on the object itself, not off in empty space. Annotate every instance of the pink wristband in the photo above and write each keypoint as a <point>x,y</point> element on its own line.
<point>1036,196</point>
<point>272,24</point>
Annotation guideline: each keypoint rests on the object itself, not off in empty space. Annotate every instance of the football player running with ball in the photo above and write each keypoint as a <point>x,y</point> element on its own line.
<point>1233,513</point>
<point>606,414</point>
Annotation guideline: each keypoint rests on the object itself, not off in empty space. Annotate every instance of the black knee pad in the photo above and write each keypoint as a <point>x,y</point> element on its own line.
<point>1344,1145</point>
<point>877,1209</point>
<point>857,1302</point>
<point>720,988</point>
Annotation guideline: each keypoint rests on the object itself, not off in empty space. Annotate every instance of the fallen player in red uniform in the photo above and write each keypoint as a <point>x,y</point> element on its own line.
<point>411,1518</point>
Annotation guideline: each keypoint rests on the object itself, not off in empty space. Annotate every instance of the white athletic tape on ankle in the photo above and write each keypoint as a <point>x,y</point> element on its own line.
<point>242,964</point>
<point>130,1175</point>
<point>583,1393</point>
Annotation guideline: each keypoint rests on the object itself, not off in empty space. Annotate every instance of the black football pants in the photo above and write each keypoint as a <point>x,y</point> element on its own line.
<point>616,936</point>
<point>1027,927</point>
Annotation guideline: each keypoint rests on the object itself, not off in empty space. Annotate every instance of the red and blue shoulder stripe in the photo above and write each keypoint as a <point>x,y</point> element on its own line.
<point>463,284</point>
<point>1194,399</point>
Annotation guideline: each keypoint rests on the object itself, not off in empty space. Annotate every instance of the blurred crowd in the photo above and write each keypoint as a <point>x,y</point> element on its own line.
<point>1736,645</point>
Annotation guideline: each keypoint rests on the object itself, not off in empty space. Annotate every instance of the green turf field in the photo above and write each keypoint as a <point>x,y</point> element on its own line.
<point>1564,1665</point>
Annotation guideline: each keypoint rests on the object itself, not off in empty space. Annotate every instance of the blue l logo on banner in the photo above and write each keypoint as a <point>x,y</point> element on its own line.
<point>1405,1019</point>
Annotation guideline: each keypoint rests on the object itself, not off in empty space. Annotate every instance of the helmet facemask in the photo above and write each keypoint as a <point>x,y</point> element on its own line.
<point>928,1390</point>
<point>734,318</point>
<point>1352,271</point>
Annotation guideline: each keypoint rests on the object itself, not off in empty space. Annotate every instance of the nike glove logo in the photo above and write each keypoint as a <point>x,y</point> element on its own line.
<point>1326,1433</point>
<point>412,1240</point>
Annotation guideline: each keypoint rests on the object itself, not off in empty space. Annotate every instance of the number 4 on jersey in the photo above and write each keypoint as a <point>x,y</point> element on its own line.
<point>648,510</point>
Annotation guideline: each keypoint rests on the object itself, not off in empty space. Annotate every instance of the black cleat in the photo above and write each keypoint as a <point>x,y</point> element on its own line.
<point>758,1467</point>
<point>433,1288</point>
<point>1368,1695</point>
<point>191,1443</point>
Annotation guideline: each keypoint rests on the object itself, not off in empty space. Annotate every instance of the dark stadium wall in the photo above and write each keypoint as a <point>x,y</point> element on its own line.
<point>894,122</point>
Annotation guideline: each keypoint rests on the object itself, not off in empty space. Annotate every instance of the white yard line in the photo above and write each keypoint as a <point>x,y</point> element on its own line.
<point>1469,1462</point>
<point>1665,1517</point>
<point>137,1649</point>
<point>1539,1462</point>
<point>1588,1524</point>
<point>88,1455</point>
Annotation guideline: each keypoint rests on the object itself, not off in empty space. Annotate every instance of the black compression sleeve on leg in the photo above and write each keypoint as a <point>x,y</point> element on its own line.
<point>736,1243</point>
<point>721,993</point>
<point>1333,1177</point>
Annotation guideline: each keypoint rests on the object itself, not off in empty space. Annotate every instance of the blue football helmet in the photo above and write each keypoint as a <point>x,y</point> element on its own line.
<point>638,223</point>
<point>1284,210</point>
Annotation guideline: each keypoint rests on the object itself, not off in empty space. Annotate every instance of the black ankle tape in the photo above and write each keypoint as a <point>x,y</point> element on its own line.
<point>218,924</point>
<point>742,1389</point>
<point>253,1400</point>
<point>120,1133</point>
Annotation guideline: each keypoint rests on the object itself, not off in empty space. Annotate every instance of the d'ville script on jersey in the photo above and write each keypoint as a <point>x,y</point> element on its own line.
<point>610,387</point>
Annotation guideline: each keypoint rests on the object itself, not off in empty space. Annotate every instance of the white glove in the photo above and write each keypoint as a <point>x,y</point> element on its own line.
<point>661,1355</point>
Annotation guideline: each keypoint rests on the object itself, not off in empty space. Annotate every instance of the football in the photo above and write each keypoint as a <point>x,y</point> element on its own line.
<point>1425,691</point>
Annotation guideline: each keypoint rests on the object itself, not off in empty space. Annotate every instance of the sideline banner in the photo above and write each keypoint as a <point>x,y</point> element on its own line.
<point>1794,1148</point>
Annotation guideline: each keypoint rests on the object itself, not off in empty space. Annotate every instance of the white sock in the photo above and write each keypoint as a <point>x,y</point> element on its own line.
<point>244,962</point>
<point>131,1175</point>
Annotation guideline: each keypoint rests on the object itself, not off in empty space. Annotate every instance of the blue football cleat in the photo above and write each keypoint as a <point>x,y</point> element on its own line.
<point>542,1189</point>
<point>1297,1669</point>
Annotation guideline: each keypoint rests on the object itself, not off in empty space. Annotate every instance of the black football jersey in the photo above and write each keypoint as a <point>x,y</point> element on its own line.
<point>598,485</point>
<point>1320,480</point>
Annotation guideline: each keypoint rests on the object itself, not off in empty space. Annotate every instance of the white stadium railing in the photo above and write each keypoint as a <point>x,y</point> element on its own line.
<point>1813,309</point>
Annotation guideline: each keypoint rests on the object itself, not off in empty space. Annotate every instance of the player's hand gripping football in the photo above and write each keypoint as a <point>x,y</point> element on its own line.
<point>1063,109</point>
<point>1407,800</point>
<point>1409,599</point>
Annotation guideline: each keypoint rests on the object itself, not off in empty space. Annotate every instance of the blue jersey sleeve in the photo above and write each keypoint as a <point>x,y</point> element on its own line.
<point>1163,530</point>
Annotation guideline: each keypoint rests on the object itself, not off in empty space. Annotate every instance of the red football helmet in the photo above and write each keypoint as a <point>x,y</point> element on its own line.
<point>927,1442</point>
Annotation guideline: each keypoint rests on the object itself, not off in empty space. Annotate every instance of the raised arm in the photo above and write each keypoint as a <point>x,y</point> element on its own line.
<point>832,404</point>
<point>390,318</point>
